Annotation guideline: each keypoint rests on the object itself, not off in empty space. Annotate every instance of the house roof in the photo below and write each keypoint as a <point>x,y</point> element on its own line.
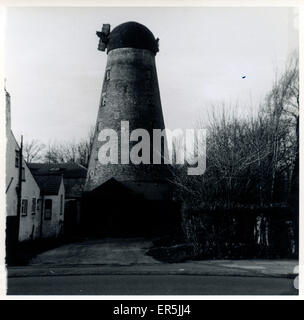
<point>111,186</point>
<point>68,170</point>
<point>49,184</point>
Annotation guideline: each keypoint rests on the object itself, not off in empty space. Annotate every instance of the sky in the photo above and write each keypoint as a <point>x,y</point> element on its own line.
<point>54,71</point>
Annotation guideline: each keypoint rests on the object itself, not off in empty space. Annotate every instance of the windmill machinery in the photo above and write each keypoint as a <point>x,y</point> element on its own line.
<point>103,36</point>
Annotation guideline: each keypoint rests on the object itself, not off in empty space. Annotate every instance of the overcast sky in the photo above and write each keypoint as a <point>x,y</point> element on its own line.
<point>54,71</point>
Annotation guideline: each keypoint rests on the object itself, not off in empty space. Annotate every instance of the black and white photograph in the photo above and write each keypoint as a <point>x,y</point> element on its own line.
<point>151,151</point>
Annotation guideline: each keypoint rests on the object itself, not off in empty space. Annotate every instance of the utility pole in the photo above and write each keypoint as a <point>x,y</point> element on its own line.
<point>19,188</point>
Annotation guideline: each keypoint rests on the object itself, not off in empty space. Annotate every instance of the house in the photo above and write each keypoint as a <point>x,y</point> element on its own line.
<point>52,195</point>
<point>74,176</point>
<point>29,220</point>
<point>34,211</point>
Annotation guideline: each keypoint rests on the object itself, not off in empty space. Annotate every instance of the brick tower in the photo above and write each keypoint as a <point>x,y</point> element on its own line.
<point>130,93</point>
<point>118,194</point>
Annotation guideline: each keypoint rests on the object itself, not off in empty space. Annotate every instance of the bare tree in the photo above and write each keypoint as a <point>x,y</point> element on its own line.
<point>282,108</point>
<point>251,162</point>
<point>85,147</point>
<point>78,152</point>
<point>33,151</point>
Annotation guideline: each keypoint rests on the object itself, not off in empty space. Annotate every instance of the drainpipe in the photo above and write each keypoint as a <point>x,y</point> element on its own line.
<point>19,188</point>
<point>41,215</point>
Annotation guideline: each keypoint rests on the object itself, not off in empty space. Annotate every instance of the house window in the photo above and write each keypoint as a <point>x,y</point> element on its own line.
<point>17,158</point>
<point>38,205</point>
<point>33,206</point>
<point>23,174</point>
<point>108,75</point>
<point>24,204</point>
<point>48,209</point>
<point>61,204</point>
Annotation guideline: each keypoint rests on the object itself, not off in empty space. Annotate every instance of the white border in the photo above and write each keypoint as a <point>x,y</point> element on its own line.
<point>138,3</point>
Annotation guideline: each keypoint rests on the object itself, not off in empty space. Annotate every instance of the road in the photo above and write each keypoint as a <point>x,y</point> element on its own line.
<point>122,267</point>
<point>149,285</point>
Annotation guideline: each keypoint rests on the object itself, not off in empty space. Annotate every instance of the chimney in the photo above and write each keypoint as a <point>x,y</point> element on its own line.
<point>8,109</point>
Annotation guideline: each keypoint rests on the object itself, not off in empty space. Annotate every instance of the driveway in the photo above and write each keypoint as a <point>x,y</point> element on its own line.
<point>123,252</point>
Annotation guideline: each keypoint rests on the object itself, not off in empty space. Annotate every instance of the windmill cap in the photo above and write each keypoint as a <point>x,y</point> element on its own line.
<point>132,35</point>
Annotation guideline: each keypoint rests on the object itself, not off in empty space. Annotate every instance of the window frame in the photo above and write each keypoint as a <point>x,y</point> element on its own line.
<point>38,205</point>
<point>24,207</point>
<point>34,202</point>
<point>23,174</point>
<point>48,211</point>
<point>108,73</point>
<point>103,101</point>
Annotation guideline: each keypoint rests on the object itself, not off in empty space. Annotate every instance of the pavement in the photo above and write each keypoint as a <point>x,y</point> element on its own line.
<point>128,257</point>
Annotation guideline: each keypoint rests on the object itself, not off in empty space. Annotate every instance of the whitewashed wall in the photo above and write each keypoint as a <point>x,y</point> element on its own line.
<point>29,224</point>
<point>53,228</point>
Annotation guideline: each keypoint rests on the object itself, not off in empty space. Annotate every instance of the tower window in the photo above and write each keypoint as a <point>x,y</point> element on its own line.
<point>103,101</point>
<point>107,75</point>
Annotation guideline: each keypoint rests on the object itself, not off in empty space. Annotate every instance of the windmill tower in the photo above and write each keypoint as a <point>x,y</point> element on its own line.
<point>130,92</point>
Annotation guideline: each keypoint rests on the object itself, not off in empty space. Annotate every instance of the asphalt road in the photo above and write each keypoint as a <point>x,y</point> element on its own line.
<point>149,285</point>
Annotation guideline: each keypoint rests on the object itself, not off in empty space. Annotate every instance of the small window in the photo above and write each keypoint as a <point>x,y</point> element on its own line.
<point>33,206</point>
<point>17,158</point>
<point>48,209</point>
<point>61,204</point>
<point>38,207</point>
<point>24,204</point>
<point>103,101</point>
<point>108,75</point>
<point>23,174</point>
